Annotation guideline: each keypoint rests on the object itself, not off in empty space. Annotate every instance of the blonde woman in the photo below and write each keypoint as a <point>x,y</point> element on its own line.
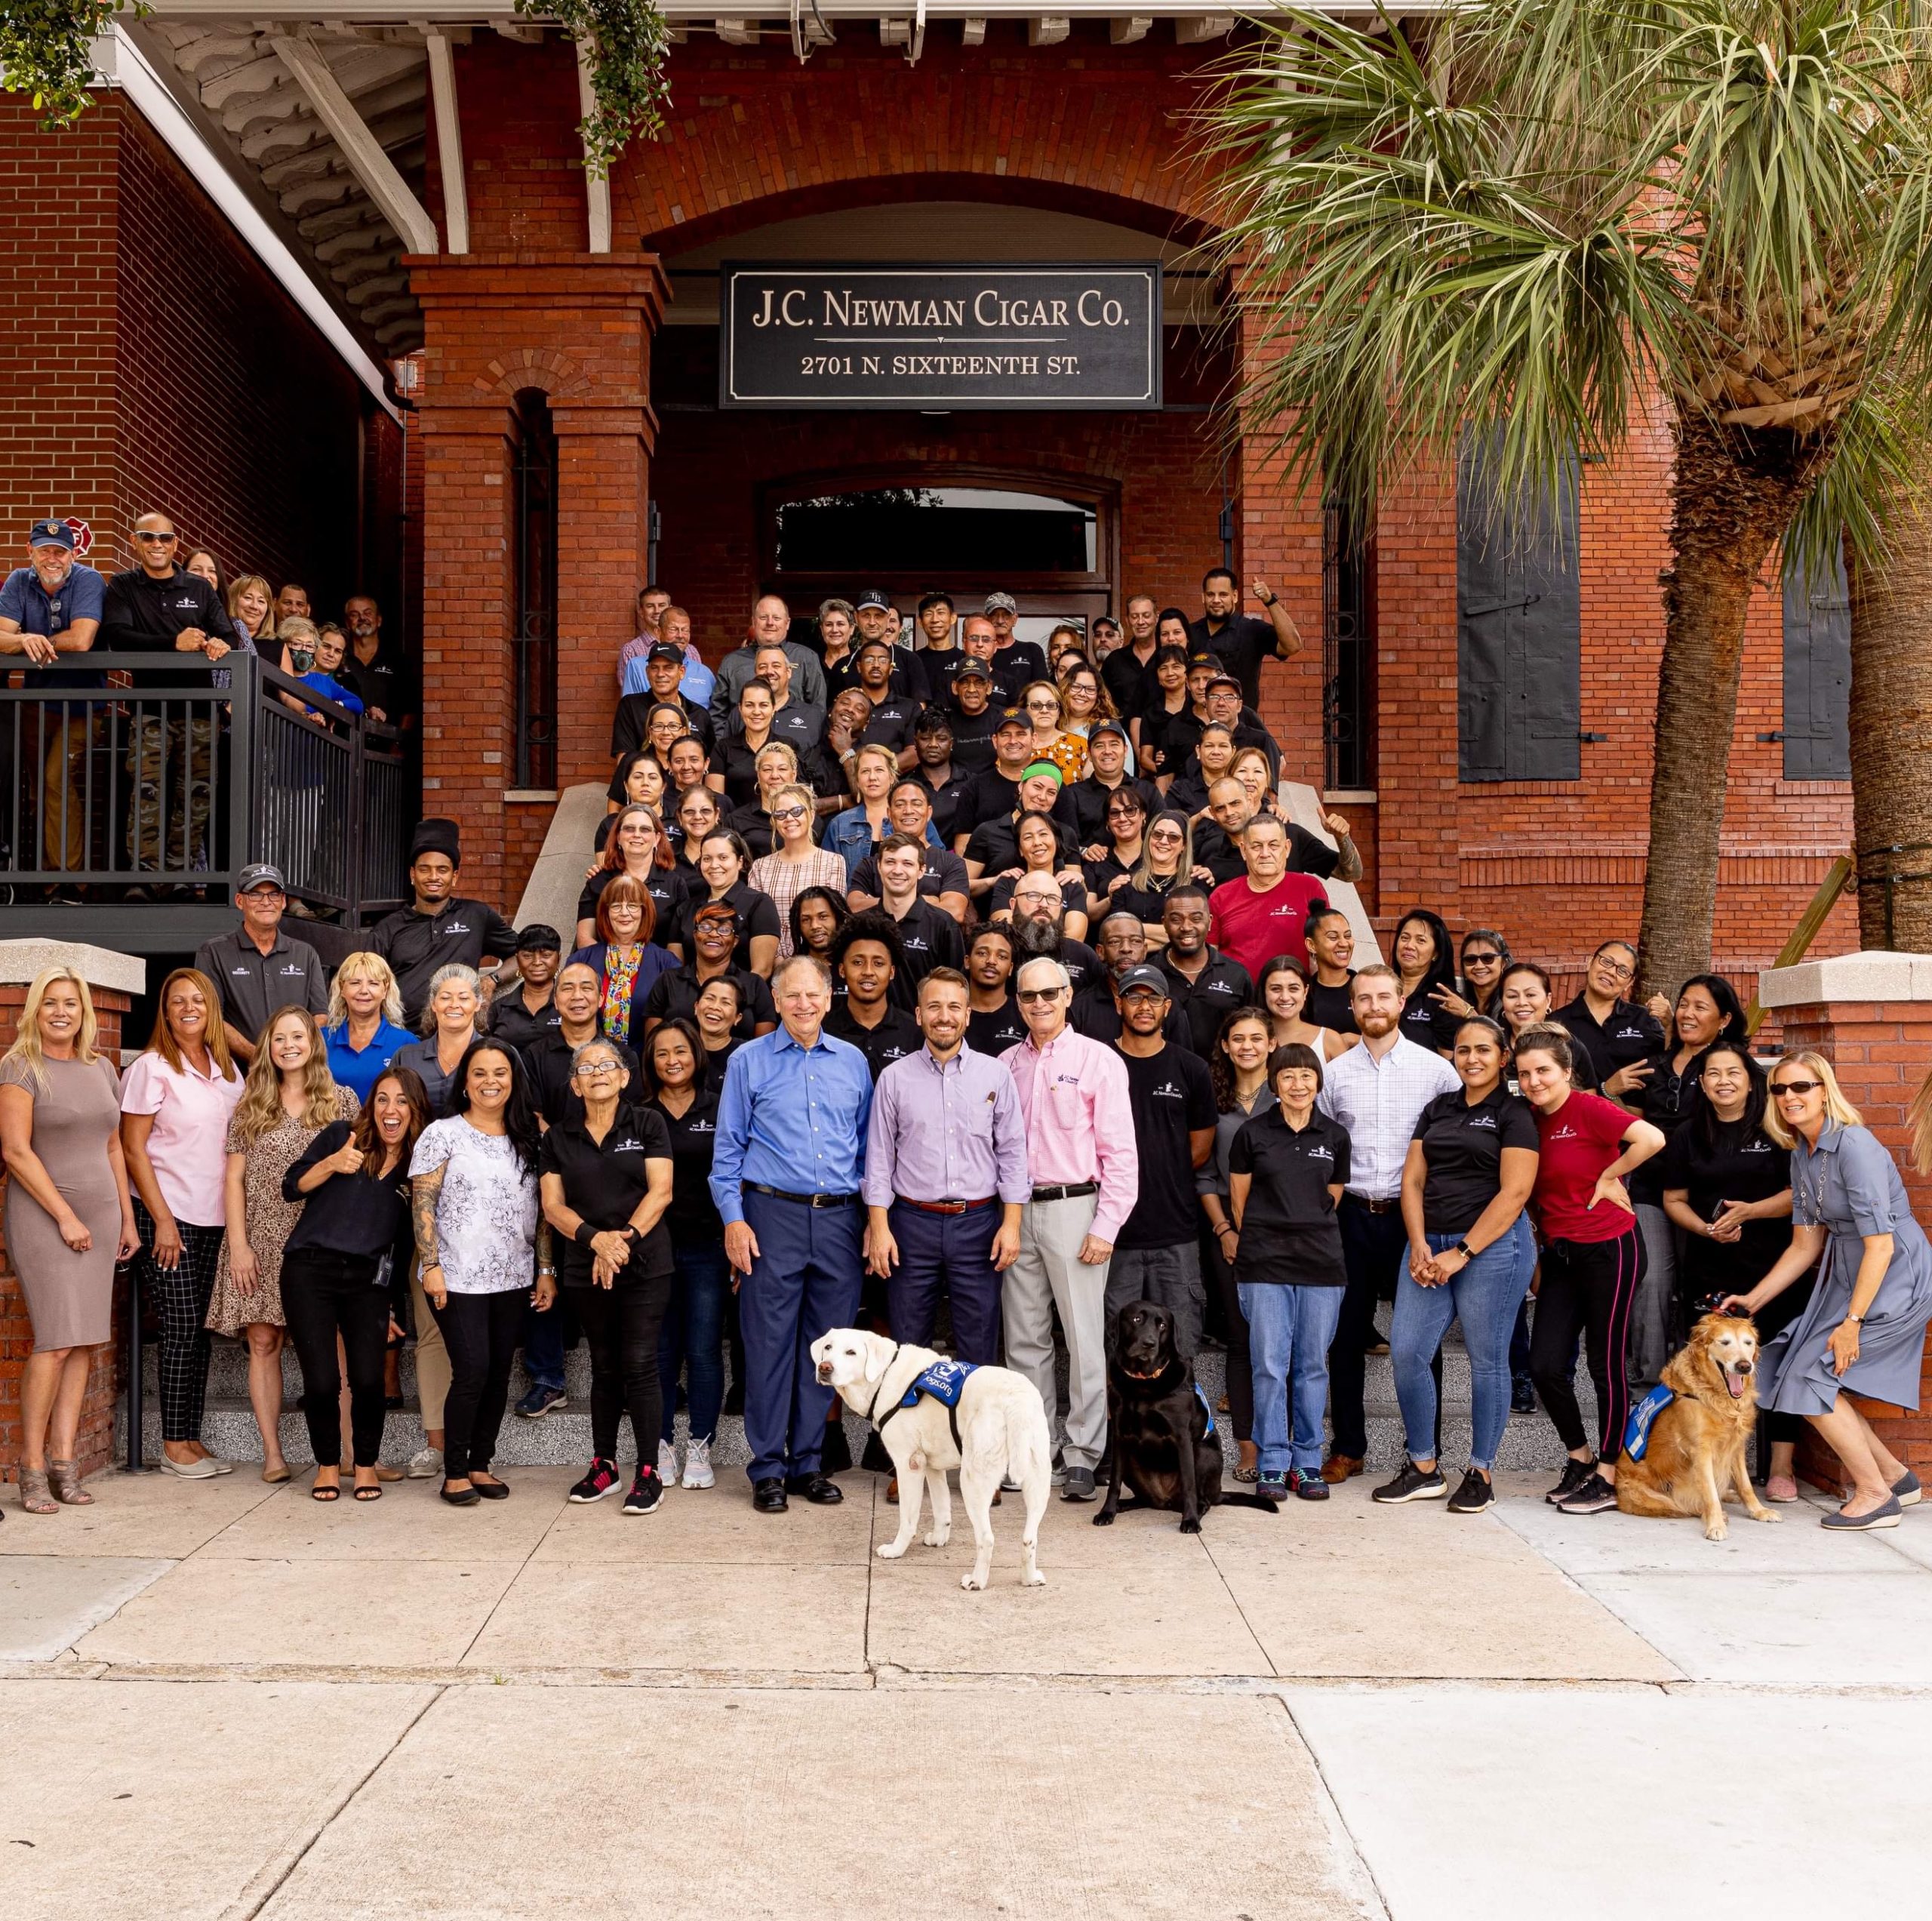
<point>854,836</point>
<point>176,1103</point>
<point>68,1218</point>
<point>1864,1328</point>
<point>794,863</point>
<point>363,1027</point>
<point>776,766</point>
<point>289,1098</point>
<point>251,609</point>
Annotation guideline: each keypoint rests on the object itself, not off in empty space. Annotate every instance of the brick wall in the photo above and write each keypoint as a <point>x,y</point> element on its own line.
<point>96,1433</point>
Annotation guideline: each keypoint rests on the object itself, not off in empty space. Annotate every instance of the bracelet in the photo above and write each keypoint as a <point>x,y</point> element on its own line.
<point>1856,1320</point>
<point>1226,1227</point>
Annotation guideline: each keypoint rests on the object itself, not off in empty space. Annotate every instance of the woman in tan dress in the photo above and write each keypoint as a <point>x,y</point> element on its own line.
<point>69,1218</point>
<point>290,1098</point>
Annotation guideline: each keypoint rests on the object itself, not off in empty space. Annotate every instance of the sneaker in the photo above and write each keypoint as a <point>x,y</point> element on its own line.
<point>1473,1496</point>
<point>697,1465</point>
<point>1008,1485</point>
<point>1412,1484</point>
<point>647,1491</point>
<point>602,1479</point>
<point>1591,1497</point>
<point>1078,1485</point>
<point>1522,1395</point>
<point>1272,1487</point>
<point>426,1464</point>
<point>1575,1474</point>
<point>1059,1468</point>
<point>667,1463</point>
<point>541,1401</point>
<point>1308,1487</point>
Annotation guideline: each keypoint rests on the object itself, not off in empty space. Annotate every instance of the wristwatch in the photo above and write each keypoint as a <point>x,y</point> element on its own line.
<point>1270,601</point>
<point>1856,1320</point>
<point>1464,1249</point>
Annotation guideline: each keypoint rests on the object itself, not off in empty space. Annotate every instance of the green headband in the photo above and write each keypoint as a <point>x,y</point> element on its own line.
<point>1045,766</point>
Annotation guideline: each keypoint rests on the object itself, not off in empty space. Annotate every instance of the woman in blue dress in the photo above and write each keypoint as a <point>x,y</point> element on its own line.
<point>1864,1328</point>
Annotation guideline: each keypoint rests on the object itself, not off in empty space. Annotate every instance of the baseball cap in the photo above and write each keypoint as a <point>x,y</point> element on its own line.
<point>665,649</point>
<point>1001,603</point>
<point>873,597</point>
<point>1224,679</point>
<point>539,938</point>
<point>1106,727</point>
<point>1202,658</point>
<point>51,533</point>
<point>1144,980</point>
<point>1013,717</point>
<point>972,668</point>
<point>264,873</point>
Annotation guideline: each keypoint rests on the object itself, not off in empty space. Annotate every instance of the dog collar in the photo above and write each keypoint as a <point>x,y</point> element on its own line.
<point>871,1413</point>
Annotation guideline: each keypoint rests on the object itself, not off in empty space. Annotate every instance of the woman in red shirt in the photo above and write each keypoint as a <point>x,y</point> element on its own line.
<point>1592,1258</point>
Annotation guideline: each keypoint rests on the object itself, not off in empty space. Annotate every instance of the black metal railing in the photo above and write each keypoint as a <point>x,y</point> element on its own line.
<point>160,785</point>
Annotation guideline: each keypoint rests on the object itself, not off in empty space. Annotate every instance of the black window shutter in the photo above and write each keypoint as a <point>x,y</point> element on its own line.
<point>1518,635</point>
<point>1817,676</point>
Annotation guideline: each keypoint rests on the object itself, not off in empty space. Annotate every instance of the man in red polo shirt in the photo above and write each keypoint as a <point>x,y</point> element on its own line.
<point>1260,914</point>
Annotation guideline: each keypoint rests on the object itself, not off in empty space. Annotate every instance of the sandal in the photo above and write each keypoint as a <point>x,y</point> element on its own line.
<point>368,1494</point>
<point>67,1483</point>
<point>318,1492</point>
<point>1247,1473</point>
<point>33,1497</point>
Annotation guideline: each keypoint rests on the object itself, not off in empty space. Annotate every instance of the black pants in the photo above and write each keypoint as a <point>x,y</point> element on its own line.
<point>480,1332</point>
<point>622,1325</point>
<point>1592,1285</point>
<point>1374,1246</point>
<point>324,1295</point>
<point>1234,1325</point>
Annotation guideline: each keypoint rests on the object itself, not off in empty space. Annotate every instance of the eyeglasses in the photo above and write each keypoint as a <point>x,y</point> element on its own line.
<point>1796,1087</point>
<point>789,814</point>
<point>1617,970</point>
<point>1038,994</point>
<point>592,1069</point>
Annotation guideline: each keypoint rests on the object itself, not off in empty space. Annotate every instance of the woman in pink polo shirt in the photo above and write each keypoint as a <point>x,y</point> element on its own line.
<point>176,1101</point>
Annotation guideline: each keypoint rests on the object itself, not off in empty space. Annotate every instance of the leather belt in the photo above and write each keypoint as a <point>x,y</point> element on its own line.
<point>948,1207</point>
<point>804,1200</point>
<point>1071,1192</point>
<point>1391,1206</point>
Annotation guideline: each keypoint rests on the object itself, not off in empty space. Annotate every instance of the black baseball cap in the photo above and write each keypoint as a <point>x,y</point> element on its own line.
<point>1144,979</point>
<point>539,938</point>
<point>665,649</point>
<point>264,873</point>
<point>1013,717</point>
<point>1224,678</point>
<point>1106,727</point>
<point>972,668</point>
<point>873,597</point>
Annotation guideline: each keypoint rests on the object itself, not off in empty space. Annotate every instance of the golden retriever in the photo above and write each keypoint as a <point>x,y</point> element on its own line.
<point>1696,1443</point>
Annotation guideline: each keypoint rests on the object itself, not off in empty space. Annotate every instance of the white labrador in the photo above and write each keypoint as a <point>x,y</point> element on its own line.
<point>1002,1430</point>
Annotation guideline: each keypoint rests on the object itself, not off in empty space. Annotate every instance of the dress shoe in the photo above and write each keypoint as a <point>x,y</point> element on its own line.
<point>1338,1467</point>
<point>892,1492</point>
<point>819,1489</point>
<point>768,1496</point>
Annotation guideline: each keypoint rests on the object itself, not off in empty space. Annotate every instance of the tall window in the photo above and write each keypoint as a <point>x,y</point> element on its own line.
<point>1347,646</point>
<point>535,633</point>
<point>1817,677</point>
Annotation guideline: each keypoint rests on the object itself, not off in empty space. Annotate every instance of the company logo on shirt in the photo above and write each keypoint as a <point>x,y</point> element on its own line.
<point>241,972</point>
<point>913,943</point>
<point>701,1127</point>
<point>1318,1153</point>
<point>1167,1091</point>
<point>294,971</point>
<point>628,1146</point>
<point>1565,1132</point>
<point>1757,1147</point>
<point>1483,1120</point>
<point>456,927</point>
<point>1630,1034</point>
<point>1218,987</point>
<point>1286,913</point>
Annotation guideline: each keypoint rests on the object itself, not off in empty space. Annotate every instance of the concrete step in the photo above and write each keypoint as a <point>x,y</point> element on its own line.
<point>1530,1441</point>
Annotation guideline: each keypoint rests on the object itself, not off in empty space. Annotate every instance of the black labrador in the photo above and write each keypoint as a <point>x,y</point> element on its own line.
<point>1164,1446</point>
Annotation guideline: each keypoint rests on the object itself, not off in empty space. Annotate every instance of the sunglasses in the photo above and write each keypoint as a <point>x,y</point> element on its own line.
<point>1165,833</point>
<point>1480,960</point>
<point>1038,994</point>
<point>789,813</point>
<point>158,540</point>
<point>1795,1087</point>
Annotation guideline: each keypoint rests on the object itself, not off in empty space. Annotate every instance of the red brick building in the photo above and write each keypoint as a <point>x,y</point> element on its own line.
<point>568,435</point>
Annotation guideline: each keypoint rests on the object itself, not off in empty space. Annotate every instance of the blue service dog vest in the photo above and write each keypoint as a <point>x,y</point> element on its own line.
<point>1207,1407</point>
<point>1643,1416</point>
<point>944,1381</point>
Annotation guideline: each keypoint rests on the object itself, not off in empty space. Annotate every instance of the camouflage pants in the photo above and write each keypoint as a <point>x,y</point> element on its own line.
<point>171,763</point>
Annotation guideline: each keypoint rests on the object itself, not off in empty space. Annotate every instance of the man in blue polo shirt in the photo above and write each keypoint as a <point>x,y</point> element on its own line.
<point>50,607</point>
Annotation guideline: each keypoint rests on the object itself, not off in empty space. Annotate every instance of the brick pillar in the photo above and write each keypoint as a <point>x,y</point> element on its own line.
<point>1870,1015</point>
<point>577,328</point>
<point>112,980</point>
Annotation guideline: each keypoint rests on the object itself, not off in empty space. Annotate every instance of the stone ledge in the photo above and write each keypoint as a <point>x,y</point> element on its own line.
<point>21,961</point>
<point>1870,976</point>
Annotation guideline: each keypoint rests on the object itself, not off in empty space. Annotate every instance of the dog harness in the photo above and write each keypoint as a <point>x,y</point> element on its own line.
<point>1643,1417</point>
<point>1207,1407</point>
<point>944,1382</point>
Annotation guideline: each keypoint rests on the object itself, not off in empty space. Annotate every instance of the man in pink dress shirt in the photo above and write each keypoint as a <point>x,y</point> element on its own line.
<point>1085,1169</point>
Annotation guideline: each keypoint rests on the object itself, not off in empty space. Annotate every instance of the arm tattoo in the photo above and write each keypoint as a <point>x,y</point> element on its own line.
<point>1348,862</point>
<point>424,1189</point>
<point>544,1259</point>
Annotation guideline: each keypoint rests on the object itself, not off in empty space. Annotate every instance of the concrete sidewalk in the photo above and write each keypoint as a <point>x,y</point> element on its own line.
<point>223,1699</point>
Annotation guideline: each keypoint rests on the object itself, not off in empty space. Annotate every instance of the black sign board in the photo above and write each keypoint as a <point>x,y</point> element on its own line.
<point>876,334</point>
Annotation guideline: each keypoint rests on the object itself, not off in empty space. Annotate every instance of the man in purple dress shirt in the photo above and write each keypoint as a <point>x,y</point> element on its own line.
<point>945,1178</point>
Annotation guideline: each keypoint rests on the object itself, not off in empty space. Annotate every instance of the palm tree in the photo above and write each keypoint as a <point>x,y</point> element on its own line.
<point>1542,219</point>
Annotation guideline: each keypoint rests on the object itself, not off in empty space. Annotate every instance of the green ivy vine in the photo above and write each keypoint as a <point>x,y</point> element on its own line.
<point>47,52</point>
<point>627,41</point>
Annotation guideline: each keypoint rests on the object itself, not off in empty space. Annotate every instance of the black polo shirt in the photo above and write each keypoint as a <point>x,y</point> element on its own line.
<point>1332,1006</point>
<point>252,985</point>
<point>693,1217</point>
<point>1207,1000</point>
<point>141,615</point>
<point>716,1060</point>
<point>947,794</point>
<point>893,1040</point>
<point>415,945</point>
<point>1427,1022</point>
<point>549,1060</point>
<point>1082,963</point>
<point>1463,1145</point>
<point>1094,1014</point>
<point>1242,644</point>
<point>1168,741</point>
<point>1288,1230</point>
<point>1129,679</point>
<point>757,912</point>
<point>606,1182</point>
<point>510,1020</point>
<point>1023,661</point>
<point>738,763</point>
<point>941,871</point>
<point>1082,806</point>
<point>995,1032</point>
<point>931,938</point>
<point>1149,902</point>
<point>972,754</point>
<point>628,725</point>
<point>891,722</point>
<point>668,893</point>
<point>676,992</point>
<point>1739,1163</point>
<point>1631,1034</point>
<point>387,682</point>
<point>1173,1097</point>
<point>996,844</point>
<point>991,797</point>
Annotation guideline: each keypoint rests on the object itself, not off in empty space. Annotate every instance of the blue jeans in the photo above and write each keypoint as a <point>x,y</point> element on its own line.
<point>1289,1330</point>
<point>693,1336</point>
<point>1484,1296</point>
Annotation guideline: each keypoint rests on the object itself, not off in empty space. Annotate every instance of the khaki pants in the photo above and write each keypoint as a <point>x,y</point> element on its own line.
<point>1049,1273</point>
<point>432,1360</point>
<point>70,732</point>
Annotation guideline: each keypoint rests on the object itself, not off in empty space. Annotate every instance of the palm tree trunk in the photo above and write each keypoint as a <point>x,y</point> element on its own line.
<point>1733,496</point>
<point>1891,735</point>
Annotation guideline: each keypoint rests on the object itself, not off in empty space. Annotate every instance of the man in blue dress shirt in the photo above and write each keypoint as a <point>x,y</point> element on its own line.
<point>786,1176</point>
